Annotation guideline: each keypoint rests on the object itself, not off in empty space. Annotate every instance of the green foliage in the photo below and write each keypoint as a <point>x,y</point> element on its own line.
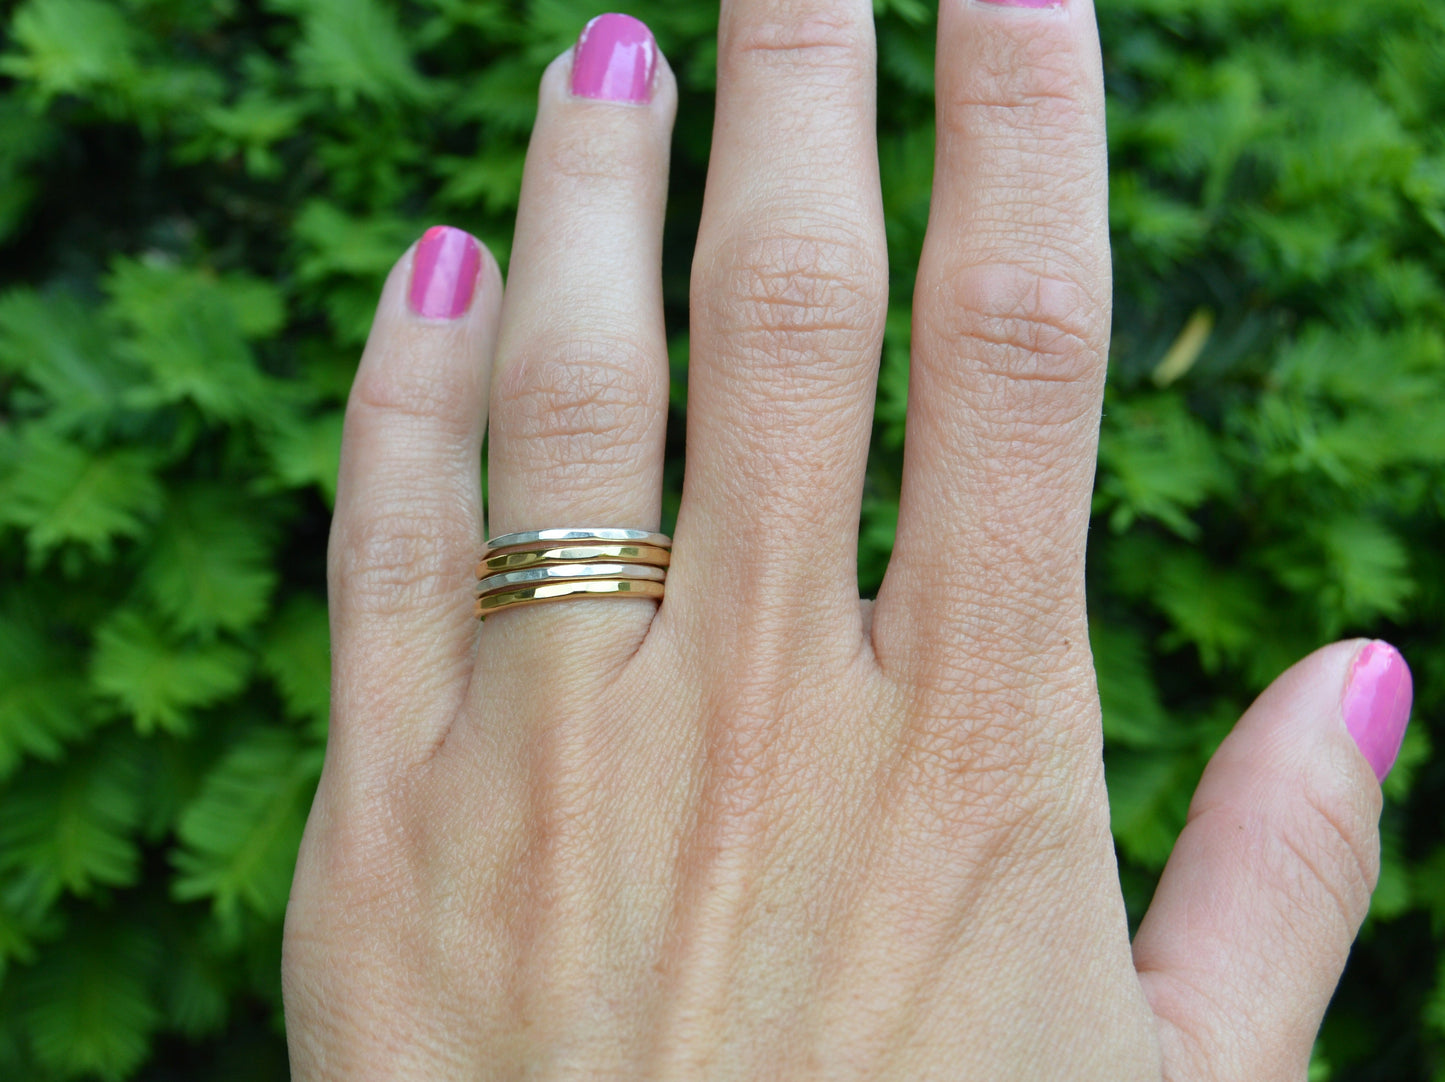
<point>198,202</point>
<point>159,678</point>
<point>239,836</point>
<point>89,1009</point>
<point>71,827</point>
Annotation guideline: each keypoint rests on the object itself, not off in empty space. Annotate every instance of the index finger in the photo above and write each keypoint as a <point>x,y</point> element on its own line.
<point>1010,336</point>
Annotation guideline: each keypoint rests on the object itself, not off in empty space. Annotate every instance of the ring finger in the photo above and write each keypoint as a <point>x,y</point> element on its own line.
<point>579,389</point>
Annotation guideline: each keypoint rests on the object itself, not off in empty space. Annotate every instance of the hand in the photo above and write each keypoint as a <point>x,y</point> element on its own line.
<point>765,830</point>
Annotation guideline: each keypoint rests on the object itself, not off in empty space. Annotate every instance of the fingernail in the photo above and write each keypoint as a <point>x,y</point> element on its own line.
<point>1377,704</point>
<point>616,60</point>
<point>444,273</point>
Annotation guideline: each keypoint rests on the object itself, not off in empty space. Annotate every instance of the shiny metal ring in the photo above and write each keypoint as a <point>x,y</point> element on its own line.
<point>651,555</point>
<point>569,572</point>
<point>557,591</point>
<point>578,536</point>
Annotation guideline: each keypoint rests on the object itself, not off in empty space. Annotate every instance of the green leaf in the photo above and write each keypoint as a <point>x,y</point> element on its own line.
<point>1148,801</point>
<point>1133,715</point>
<point>190,331</point>
<point>240,836</point>
<point>1217,609</point>
<point>72,827</point>
<point>493,180</point>
<point>198,980</point>
<point>158,679</point>
<point>307,452</point>
<point>337,244</point>
<point>19,931</point>
<point>355,49</point>
<point>250,127</point>
<point>89,1002</point>
<point>504,95</point>
<point>1392,896</point>
<point>1156,461</point>
<point>42,705</point>
<point>60,346</point>
<point>1164,229</point>
<point>209,566</point>
<point>296,654</point>
<point>1350,566</point>
<point>60,493</point>
<point>915,12</point>
<point>69,46</point>
<point>891,410</point>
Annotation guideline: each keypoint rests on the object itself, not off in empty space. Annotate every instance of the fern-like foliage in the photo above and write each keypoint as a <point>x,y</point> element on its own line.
<point>88,1008</point>
<point>60,493</point>
<point>42,706</point>
<point>239,836</point>
<point>160,679</point>
<point>71,828</point>
<point>209,568</point>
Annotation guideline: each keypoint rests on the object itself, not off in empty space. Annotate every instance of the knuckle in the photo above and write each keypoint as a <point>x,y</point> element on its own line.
<point>411,385</point>
<point>816,289</point>
<point>1015,324</point>
<point>392,561</point>
<point>589,154</point>
<point>812,32</point>
<point>1031,87</point>
<point>568,403</point>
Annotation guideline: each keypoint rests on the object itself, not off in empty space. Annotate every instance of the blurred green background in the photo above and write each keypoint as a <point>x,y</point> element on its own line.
<point>198,201</point>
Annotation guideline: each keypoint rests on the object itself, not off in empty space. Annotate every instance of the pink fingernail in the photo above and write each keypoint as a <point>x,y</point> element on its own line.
<point>616,60</point>
<point>444,273</point>
<point>1377,704</point>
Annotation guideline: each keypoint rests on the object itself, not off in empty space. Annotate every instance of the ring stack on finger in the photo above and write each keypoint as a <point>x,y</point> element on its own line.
<point>553,565</point>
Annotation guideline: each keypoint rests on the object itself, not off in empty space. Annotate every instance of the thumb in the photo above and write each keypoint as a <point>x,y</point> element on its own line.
<point>1249,930</point>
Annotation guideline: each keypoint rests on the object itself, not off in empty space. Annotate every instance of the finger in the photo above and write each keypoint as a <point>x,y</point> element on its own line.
<point>1011,318</point>
<point>1264,892</point>
<point>788,299</point>
<point>408,520</point>
<point>579,394</point>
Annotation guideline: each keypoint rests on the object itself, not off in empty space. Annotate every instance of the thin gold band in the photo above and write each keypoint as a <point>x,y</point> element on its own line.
<point>650,555</point>
<point>553,591</point>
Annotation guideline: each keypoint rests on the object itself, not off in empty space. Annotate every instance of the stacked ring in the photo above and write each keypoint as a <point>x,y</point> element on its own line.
<point>552,565</point>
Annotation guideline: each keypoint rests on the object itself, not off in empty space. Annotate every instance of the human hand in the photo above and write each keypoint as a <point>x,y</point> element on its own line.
<point>766,829</point>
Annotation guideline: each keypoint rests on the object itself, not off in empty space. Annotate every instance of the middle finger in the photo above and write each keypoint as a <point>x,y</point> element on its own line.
<point>789,292</point>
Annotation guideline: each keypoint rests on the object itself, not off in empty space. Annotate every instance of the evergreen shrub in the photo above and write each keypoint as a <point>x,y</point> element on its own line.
<point>198,201</point>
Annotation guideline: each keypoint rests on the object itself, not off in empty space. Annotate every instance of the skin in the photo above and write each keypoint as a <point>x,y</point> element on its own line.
<point>766,830</point>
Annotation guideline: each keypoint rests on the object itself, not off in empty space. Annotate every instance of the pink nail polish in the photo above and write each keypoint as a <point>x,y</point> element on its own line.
<point>444,273</point>
<point>615,60</point>
<point>1377,704</point>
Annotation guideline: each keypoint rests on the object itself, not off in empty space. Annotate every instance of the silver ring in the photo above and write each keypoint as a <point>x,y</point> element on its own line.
<point>532,537</point>
<point>569,572</point>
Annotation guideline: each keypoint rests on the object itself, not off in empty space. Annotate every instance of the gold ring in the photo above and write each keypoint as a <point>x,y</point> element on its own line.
<point>550,565</point>
<point>553,591</point>
<point>516,559</point>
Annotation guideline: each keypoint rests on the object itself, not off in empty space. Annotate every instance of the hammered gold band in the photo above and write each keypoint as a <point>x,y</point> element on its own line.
<point>553,565</point>
<point>556,591</point>
<point>516,559</point>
